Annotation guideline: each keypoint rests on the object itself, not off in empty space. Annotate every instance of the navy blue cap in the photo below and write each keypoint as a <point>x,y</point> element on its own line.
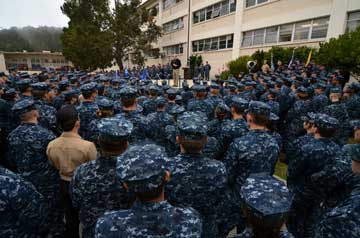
<point>302,89</point>
<point>222,108</point>
<point>309,117</point>
<point>142,167</point>
<point>89,87</point>
<point>41,86</point>
<point>265,196</point>
<point>24,75</point>
<point>154,88</point>
<point>23,106</point>
<point>10,91</point>
<point>355,124</point>
<point>355,86</point>
<point>326,122</point>
<point>199,88</point>
<point>71,94</point>
<point>214,86</point>
<point>115,128</point>
<point>239,103</point>
<point>335,90</point>
<point>259,108</point>
<point>23,83</point>
<point>171,91</point>
<point>160,102</point>
<point>192,125</point>
<point>105,104</point>
<point>353,151</point>
<point>63,84</point>
<point>176,110</point>
<point>128,92</point>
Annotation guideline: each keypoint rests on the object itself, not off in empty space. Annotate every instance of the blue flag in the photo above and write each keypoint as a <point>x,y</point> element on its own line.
<point>126,72</point>
<point>144,74</point>
<point>272,62</point>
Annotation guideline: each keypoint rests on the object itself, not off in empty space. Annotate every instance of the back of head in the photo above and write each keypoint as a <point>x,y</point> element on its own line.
<point>67,117</point>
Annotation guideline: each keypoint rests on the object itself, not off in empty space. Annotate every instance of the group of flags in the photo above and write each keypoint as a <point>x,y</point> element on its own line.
<point>292,60</point>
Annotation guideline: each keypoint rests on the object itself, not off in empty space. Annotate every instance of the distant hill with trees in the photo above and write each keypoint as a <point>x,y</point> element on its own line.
<point>31,39</point>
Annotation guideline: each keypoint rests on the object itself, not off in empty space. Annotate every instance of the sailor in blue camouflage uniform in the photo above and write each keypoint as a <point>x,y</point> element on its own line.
<point>256,151</point>
<point>222,112</point>
<point>186,94</point>
<point>21,207</point>
<point>149,104</point>
<point>27,144</point>
<point>214,96</point>
<point>199,103</point>
<point>41,94</point>
<point>237,127</point>
<point>265,202</point>
<point>304,176</point>
<point>95,188</point>
<point>24,87</point>
<point>196,181</point>
<point>143,171</point>
<point>343,220</point>
<point>320,100</point>
<point>87,112</point>
<point>130,112</point>
<point>272,101</point>
<point>353,100</point>
<point>158,121</point>
<point>63,86</point>
<point>171,99</point>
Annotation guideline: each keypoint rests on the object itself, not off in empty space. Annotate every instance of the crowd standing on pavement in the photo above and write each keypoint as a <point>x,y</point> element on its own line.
<point>112,154</point>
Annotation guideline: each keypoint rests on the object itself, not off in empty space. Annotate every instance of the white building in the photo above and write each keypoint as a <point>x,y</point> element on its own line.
<point>222,30</point>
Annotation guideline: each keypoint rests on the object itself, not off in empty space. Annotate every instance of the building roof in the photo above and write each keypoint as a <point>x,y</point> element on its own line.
<point>32,53</point>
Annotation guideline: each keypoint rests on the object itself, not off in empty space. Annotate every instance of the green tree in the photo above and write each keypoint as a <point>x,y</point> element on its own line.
<point>134,30</point>
<point>342,53</point>
<point>239,65</point>
<point>87,41</point>
<point>194,60</point>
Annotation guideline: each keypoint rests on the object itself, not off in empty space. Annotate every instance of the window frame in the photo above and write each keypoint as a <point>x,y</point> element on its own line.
<point>215,10</point>
<point>214,43</point>
<point>352,20</point>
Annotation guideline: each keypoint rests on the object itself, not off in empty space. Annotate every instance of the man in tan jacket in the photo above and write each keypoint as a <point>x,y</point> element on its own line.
<point>66,153</point>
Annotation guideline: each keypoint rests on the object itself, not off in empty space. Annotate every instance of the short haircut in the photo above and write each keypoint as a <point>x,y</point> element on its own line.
<point>171,97</point>
<point>150,195</point>
<point>128,102</point>
<point>38,94</point>
<point>113,145</point>
<point>87,95</point>
<point>192,146</point>
<point>260,119</point>
<point>327,133</point>
<point>66,117</point>
<point>25,116</point>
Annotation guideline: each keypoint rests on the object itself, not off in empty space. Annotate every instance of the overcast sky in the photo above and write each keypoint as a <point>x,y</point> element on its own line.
<point>32,13</point>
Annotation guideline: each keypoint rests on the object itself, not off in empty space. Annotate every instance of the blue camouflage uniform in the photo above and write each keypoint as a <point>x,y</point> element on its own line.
<point>200,105</point>
<point>307,179</point>
<point>47,112</point>
<point>95,188</point>
<point>352,104</point>
<point>196,181</point>
<point>343,220</point>
<point>143,169</point>
<point>21,207</point>
<point>267,200</point>
<point>139,121</point>
<point>28,143</point>
<point>87,113</point>
<point>215,125</point>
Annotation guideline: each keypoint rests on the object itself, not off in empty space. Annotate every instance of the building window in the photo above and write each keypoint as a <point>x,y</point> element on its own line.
<point>174,25</point>
<point>302,30</point>
<point>353,21</point>
<point>251,3</point>
<point>173,49</point>
<point>305,30</point>
<point>219,9</point>
<point>320,28</point>
<point>286,33</point>
<point>170,3</point>
<point>213,44</point>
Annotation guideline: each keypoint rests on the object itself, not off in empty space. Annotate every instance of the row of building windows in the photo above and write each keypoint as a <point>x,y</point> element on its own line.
<point>33,60</point>
<point>173,49</point>
<point>219,9</point>
<point>304,30</point>
<point>170,3</point>
<point>174,25</point>
<point>251,3</point>
<point>215,43</point>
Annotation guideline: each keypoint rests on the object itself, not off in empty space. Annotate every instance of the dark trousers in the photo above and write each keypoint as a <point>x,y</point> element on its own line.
<point>71,214</point>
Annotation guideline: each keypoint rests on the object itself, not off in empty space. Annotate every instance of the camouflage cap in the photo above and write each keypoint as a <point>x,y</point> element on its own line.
<point>335,90</point>
<point>24,75</point>
<point>160,102</point>
<point>353,151</point>
<point>154,88</point>
<point>128,92</point>
<point>251,83</point>
<point>178,99</point>
<point>89,87</point>
<point>199,88</point>
<point>63,84</point>
<point>72,93</point>
<point>222,108</point>
<point>192,125</point>
<point>10,91</point>
<point>355,124</point>
<point>265,196</point>
<point>274,117</point>
<point>273,92</point>
<point>23,106</point>
<point>259,108</point>
<point>214,86</point>
<point>115,128</point>
<point>309,117</point>
<point>239,103</point>
<point>40,86</point>
<point>23,83</point>
<point>171,91</point>
<point>355,86</point>
<point>301,89</point>
<point>142,167</point>
<point>326,122</point>
<point>176,110</point>
<point>105,104</point>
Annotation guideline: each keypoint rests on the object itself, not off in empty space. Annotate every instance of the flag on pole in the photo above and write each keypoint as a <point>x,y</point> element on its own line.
<point>309,58</point>
<point>272,62</point>
<point>144,74</point>
<point>126,73</point>
<point>292,59</point>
